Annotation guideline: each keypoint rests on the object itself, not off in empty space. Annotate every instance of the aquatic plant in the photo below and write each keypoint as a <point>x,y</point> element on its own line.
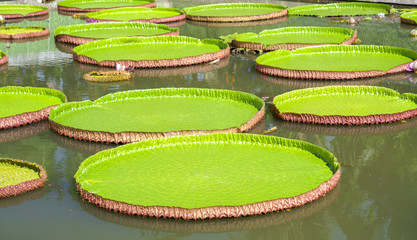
<point>294,37</point>
<point>336,62</point>
<point>19,176</point>
<point>14,32</point>
<point>154,177</point>
<point>138,14</point>
<point>83,33</point>
<point>97,5</point>
<point>151,52</point>
<point>345,105</point>
<point>21,11</point>
<point>25,105</point>
<point>161,113</point>
<point>235,12</point>
<point>339,9</point>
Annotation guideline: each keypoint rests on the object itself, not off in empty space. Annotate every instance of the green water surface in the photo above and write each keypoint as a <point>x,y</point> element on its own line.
<point>195,175</point>
<point>338,61</point>
<point>159,115</point>
<point>13,104</point>
<point>12,174</point>
<point>346,105</point>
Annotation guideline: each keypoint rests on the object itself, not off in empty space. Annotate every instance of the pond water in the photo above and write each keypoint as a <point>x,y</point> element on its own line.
<point>375,198</point>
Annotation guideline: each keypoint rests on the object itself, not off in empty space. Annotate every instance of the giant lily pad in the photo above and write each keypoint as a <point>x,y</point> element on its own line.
<point>97,5</point>
<point>153,15</point>
<point>159,51</point>
<point>235,12</point>
<point>208,176</point>
<point>340,9</point>
<point>82,33</point>
<point>336,62</point>
<point>19,176</point>
<point>294,37</point>
<point>23,32</point>
<point>24,105</point>
<point>409,17</point>
<point>142,114</point>
<point>21,11</point>
<point>345,105</point>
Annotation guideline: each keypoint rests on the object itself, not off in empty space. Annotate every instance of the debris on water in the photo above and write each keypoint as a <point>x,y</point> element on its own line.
<point>413,33</point>
<point>353,21</point>
<point>381,15</point>
<point>214,61</point>
<point>273,129</point>
<point>367,19</point>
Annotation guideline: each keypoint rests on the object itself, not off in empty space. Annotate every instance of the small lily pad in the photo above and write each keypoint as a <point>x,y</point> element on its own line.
<point>19,176</point>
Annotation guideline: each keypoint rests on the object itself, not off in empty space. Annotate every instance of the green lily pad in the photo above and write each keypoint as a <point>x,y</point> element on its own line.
<point>15,32</point>
<point>409,17</point>
<point>95,5</point>
<point>160,111</point>
<point>17,11</point>
<point>336,62</point>
<point>82,33</point>
<point>294,37</point>
<point>340,9</point>
<point>348,105</point>
<point>19,176</point>
<point>231,12</point>
<point>154,15</point>
<point>23,105</point>
<point>159,51</point>
<point>207,175</point>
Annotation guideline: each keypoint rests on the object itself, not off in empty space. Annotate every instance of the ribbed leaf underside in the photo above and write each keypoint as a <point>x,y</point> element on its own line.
<point>206,170</point>
<point>298,35</point>
<point>151,48</point>
<point>339,58</point>
<point>20,9</point>
<point>16,100</point>
<point>345,101</point>
<point>83,4</point>
<point>233,9</point>
<point>16,30</point>
<point>128,14</point>
<point>160,110</point>
<point>339,9</point>
<point>13,173</point>
<point>113,29</point>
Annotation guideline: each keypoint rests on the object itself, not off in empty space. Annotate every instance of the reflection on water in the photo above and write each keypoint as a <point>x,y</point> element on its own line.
<point>375,198</point>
